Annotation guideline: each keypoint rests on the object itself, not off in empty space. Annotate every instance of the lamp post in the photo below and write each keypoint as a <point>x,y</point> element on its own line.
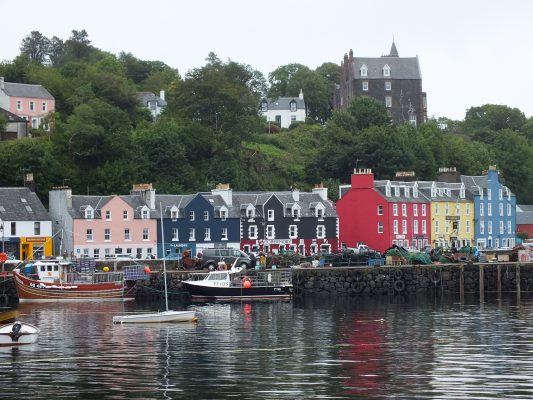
<point>2,232</point>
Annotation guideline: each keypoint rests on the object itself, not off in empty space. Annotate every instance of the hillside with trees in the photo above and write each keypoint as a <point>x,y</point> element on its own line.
<point>102,141</point>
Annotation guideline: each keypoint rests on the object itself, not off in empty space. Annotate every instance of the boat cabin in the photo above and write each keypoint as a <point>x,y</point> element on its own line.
<point>52,270</point>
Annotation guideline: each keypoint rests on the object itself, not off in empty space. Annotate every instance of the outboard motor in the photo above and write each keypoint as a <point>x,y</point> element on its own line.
<point>15,331</point>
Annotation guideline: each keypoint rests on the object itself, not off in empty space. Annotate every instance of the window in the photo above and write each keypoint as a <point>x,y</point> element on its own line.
<point>89,235</point>
<point>293,231</point>
<point>501,209</point>
<point>380,210</point>
<point>13,228</point>
<point>252,232</point>
<point>457,209</point>
<point>175,234</point>
<point>380,227</point>
<point>270,214</point>
<point>145,214</point>
<point>397,191</point>
<point>89,213</point>
<point>508,210</point>
<point>482,227</point>
<point>96,253</point>
<point>423,210</point>
<point>447,226</point>
<point>296,213</point>
<point>223,215</point>
<point>467,208</point>
<point>19,105</point>
<point>293,106</point>
<point>363,70</point>
<point>191,215</point>
<point>415,227</point>
<point>500,195</point>
<point>270,231</point>
<point>224,235</point>
<point>365,86</point>
<point>509,230</point>
<point>207,234</point>
<point>424,226</point>
<point>125,215</point>
<point>388,85</point>
<point>481,209</point>
<point>146,236</point>
<point>127,234</point>
<point>319,213</point>
<point>436,226</point>
<point>320,231</point>
<point>35,122</point>
<point>37,228</point>
<point>489,209</point>
<point>386,70</point>
<point>467,228</point>
<point>395,226</point>
<point>32,106</point>
<point>415,210</point>
<point>174,215</point>
<point>447,209</point>
<point>264,106</point>
<point>192,234</point>
<point>489,194</point>
<point>44,107</point>
<point>108,215</point>
<point>489,227</point>
<point>395,210</point>
<point>404,209</point>
<point>502,230</point>
<point>412,119</point>
<point>206,215</point>
<point>388,101</point>
<point>293,118</point>
<point>107,234</point>
<point>404,226</point>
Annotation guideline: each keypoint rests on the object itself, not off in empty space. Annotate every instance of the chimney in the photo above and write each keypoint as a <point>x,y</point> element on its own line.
<point>405,176</point>
<point>321,191</point>
<point>295,194</point>
<point>1,83</point>
<point>162,95</point>
<point>225,192</point>
<point>301,95</point>
<point>449,175</point>
<point>147,192</point>
<point>362,178</point>
<point>29,182</point>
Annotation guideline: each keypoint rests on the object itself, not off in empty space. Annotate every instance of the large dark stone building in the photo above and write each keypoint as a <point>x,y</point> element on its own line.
<point>394,81</point>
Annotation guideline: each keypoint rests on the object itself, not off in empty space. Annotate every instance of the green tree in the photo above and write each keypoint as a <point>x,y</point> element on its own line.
<point>494,117</point>
<point>36,47</point>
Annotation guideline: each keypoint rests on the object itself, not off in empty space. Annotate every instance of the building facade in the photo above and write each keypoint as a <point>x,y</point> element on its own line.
<point>31,102</point>
<point>394,81</point>
<point>284,110</point>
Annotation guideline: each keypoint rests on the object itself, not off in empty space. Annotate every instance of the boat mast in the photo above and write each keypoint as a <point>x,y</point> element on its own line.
<point>164,263</point>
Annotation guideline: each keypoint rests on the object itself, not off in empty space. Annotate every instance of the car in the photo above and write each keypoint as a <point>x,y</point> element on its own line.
<point>211,258</point>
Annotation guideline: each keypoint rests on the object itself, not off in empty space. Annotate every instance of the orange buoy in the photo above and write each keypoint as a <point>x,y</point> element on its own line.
<point>247,283</point>
<point>3,257</point>
<point>147,269</point>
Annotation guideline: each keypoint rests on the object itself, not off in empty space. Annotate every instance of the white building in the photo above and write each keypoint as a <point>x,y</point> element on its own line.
<point>284,110</point>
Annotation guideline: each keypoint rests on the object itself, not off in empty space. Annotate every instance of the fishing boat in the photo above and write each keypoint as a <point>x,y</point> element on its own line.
<point>61,280</point>
<point>162,316</point>
<point>17,333</point>
<point>237,283</point>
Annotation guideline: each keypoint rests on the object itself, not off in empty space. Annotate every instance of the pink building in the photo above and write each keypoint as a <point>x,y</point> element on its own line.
<point>31,102</point>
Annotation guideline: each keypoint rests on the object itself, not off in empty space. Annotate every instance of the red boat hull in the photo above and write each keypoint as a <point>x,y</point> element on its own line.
<point>31,290</point>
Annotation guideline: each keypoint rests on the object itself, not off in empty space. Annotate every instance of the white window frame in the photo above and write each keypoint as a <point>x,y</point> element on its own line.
<point>365,86</point>
<point>395,226</point>
<point>19,105</point>
<point>207,234</point>
<point>415,227</point>
<point>320,231</point>
<point>380,209</point>
<point>108,215</point>
<point>424,226</point>
<point>388,86</point>
<point>175,234</point>
<point>395,209</point>
<point>206,215</point>
<point>388,101</point>
<point>270,232</point>
<point>404,210</point>
<point>415,210</point>
<point>380,226</point>
<point>270,215</point>
<point>386,70</point>
<point>404,226</point>
<point>363,70</point>
<point>192,234</point>
<point>107,234</point>
<point>127,234</point>
<point>293,231</point>
<point>146,234</point>
<point>252,231</point>
<point>89,234</point>
<point>191,216</point>
<point>125,215</point>
<point>32,106</point>
<point>424,210</point>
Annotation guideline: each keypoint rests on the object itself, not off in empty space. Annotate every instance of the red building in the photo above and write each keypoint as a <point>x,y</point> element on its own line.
<point>382,213</point>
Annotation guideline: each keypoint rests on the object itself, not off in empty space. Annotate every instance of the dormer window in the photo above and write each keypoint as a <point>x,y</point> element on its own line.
<point>397,191</point>
<point>433,191</point>
<point>406,190</point>
<point>387,189</point>
<point>174,215</point>
<point>89,213</point>
<point>296,213</point>
<point>292,106</point>
<point>320,213</point>
<point>144,213</point>
<point>264,106</point>
<point>386,70</point>
<point>364,70</point>
<point>223,215</point>
<point>415,190</point>
<point>462,192</point>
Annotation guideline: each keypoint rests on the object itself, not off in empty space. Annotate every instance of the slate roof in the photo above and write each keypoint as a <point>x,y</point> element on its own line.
<point>524,215</point>
<point>80,203</point>
<point>400,67</point>
<point>12,117</point>
<point>13,208</point>
<point>282,103</point>
<point>145,97</point>
<point>25,90</point>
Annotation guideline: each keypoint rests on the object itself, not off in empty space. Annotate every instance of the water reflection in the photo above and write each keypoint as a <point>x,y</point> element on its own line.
<point>316,348</point>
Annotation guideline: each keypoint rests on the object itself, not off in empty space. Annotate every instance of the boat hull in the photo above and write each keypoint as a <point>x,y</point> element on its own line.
<point>165,316</point>
<point>201,292</point>
<point>27,334</point>
<point>30,290</point>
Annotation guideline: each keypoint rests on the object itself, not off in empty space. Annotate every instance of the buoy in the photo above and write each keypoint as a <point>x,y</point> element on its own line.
<point>247,284</point>
<point>105,269</point>
<point>147,269</point>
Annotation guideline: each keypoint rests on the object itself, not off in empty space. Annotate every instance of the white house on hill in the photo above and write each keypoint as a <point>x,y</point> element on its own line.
<point>284,110</point>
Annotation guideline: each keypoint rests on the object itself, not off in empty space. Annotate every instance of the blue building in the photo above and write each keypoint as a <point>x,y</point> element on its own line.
<point>494,210</point>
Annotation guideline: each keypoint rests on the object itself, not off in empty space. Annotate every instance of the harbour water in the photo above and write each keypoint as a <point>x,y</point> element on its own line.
<point>347,348</point>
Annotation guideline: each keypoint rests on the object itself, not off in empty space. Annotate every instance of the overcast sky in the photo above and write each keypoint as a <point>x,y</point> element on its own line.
<point>471,52</point>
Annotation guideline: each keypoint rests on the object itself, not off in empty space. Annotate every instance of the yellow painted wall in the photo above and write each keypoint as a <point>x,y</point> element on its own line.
<point>438,215</point>
<point>29,245</point>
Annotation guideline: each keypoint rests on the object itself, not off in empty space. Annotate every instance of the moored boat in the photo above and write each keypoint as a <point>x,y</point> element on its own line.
<point>239,284</point>
<point>163,316</point>
<point>17,333</point>
<point>60,280</point>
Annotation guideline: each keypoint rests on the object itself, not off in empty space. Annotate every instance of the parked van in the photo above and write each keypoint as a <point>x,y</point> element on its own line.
<point>211,258</point>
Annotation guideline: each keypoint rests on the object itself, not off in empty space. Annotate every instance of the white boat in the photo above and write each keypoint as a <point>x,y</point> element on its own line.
<point>163,316</point>
<point>17,333</point>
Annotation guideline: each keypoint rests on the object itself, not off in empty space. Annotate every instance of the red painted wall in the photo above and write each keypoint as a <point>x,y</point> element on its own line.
<point>526,228</point>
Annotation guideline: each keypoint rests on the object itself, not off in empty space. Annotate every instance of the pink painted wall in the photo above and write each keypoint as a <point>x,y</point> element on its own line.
<point>38,110</point>
<point>117,224</point>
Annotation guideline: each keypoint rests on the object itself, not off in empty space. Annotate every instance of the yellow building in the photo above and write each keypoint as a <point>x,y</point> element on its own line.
<point>452,214</point>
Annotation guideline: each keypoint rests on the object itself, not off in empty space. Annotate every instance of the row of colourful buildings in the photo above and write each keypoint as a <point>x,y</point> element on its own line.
<point>453,211</point>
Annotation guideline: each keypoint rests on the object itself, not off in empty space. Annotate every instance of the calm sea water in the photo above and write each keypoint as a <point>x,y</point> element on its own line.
<point>390,347</point>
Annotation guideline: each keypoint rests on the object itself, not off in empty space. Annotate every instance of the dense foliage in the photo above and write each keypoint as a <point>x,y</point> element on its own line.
<point>102,141</point>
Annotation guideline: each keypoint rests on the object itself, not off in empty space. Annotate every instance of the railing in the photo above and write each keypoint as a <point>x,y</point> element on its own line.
<point>259,278</point>
<point>95,277</point>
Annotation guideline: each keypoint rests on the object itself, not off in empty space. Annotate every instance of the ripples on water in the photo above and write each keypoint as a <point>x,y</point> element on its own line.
<point>390,347</point>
